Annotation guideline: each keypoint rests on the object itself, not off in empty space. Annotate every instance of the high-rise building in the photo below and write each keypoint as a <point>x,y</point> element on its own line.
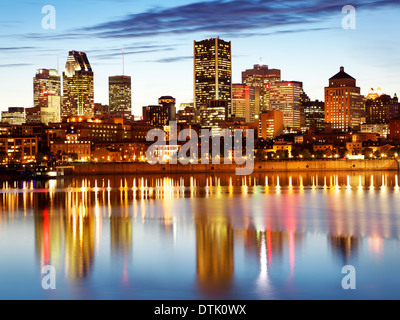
<point>170,103</point>
<point>46,83</point>
<point>120,96</point>
<point>14,115</point>
<point>286,96</point>
<point>51,113</point>
<point>244,102</point>
<point>215,115</point>
<point>78,92</point>
<point>344,105</point>
<point>380,108</point>
<point>259,77</point>
<point>188,116</point>
<point>156,115</point>
<point>271,124</point>
<point>314,114</point>
<point>212,74</point>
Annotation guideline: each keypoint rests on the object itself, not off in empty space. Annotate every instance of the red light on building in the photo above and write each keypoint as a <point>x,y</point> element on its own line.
<point>45,92</point>
<point>289,84</point>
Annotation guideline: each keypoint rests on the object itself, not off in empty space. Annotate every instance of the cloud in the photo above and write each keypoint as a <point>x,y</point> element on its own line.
<point>15,65</point>
<point>227,16</point>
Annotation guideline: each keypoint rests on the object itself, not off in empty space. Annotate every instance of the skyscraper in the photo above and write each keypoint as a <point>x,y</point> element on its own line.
<point>344,105</point>
<point>243,102</point>
<point>46,83</point>
<point>169,103</point>
<point>286,96</point>
<point>212,74</point>
<point>78,92</point>
<point>259,77</point>
<point>120,96</point>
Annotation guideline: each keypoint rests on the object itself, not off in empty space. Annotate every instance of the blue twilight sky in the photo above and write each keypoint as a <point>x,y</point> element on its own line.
<point>303,38</point>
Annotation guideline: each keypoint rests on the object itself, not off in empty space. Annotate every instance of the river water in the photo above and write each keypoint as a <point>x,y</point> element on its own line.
<point>271,236</point>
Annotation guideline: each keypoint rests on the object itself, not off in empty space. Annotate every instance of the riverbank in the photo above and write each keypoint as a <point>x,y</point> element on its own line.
<point>265,166</point>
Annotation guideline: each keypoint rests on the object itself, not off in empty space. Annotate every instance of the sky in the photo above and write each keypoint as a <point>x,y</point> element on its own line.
<point>304,38</point>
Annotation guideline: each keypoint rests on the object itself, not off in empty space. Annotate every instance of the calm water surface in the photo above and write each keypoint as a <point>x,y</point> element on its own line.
<point>273,236</point>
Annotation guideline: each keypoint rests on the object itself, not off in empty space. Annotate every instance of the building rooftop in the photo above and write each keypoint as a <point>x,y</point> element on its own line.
<point>341,75</point>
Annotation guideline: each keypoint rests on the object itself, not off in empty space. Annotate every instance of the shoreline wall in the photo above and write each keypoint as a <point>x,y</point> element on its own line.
<point>268,166</point>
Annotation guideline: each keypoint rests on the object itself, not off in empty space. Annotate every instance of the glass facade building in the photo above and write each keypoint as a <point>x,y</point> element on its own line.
<point>120,96</point>
<point>286,96</point>
<point>78,92</point>
<point>212,75</point>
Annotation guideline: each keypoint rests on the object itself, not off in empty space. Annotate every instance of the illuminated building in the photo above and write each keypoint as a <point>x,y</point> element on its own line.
<point>120,96</point>
<point>243,102</point>
<point>72,145</point>
<point>271,124</point>
<point>32,115</point>
<point>382,129</point>
<point>101,110</point>
<point>212,75</point>
<point>78,93</point>
<point>285,96</point>
<point>344,104</point>
<point>215,115</point>
<point>380,108</point>
<point>189,115</point>
<point>45,83</point>
<point>259,77</point>
<point>394,129</point>
<point>156,115</point>
<point>314,115</point>
<point>20,149</point>
<point>169,103</point>
<point>14,115</point>
<point>51,113</point>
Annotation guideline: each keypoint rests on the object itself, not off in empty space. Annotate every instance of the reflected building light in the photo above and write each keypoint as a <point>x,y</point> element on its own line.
<point>375,245</point>
<point>263,280</point>
<point>348,186</point>
<point>360,187</point>
<point>396,182</point>
<point>372,182</point>
<point>325,186</point>
<point>301,183</point>
<point>337,186</point>
<point>266,182</point>
<point>292,250</point>
<point>290,183</point>
<point>277,183</point>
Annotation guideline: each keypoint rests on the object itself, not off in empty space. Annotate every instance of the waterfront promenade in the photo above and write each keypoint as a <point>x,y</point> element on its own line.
<point>265,166</point>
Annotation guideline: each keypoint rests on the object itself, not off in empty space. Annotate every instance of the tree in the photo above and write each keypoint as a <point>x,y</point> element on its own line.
<point>306,154</point>
<point>367,152</point>
<point>73,156</point>
<point>377,154</point>
<point>39,157</point>
<point>282,154</point>
<point>260,155</point>
<point>296,152</point>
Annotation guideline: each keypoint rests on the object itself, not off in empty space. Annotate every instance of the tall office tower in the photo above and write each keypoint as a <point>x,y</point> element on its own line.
<point>120,96</point>
<point>78,93</point>
<point>271,124</point>
<point>169,103</point>
<point>14,115</point>
<point>244,102</point>
<point>212,74</point>
<point>314,114</point>
<point>286,96</point>
<point>259,77</point>
<point>344,105</point>
<point>45,83</point>
<point>380,107</point>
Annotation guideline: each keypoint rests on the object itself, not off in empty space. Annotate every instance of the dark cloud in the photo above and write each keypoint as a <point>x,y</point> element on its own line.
<point>227,16</point>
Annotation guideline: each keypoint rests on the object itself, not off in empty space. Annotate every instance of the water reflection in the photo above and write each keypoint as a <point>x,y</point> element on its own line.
<point>270,216</point>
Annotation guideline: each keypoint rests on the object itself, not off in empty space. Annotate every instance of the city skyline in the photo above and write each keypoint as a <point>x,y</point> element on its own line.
<point>368,52</point>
